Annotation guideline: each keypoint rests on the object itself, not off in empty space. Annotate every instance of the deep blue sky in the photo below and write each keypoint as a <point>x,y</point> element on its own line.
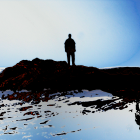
<point>106,32</point>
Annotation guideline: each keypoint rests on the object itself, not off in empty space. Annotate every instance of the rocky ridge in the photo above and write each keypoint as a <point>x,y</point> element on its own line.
<point>39,74</point>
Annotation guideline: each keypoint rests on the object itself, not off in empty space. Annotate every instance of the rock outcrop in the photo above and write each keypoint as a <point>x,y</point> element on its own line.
<point>38,74</point>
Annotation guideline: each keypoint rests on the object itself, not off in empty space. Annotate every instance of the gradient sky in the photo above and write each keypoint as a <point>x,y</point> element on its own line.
<point>106,32</point>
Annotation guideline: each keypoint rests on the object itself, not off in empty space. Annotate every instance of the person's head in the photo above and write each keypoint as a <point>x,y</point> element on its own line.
<point>69,35</point>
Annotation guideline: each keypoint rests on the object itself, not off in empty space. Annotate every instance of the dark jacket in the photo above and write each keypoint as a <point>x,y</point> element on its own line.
<point>70,45</point>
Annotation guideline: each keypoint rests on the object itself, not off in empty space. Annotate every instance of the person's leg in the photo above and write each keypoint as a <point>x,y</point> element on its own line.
<point>73,58</point>
<point>68,58</point>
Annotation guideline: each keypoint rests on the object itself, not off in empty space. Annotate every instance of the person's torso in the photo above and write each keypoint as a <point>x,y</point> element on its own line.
<point>69,42</point>
<point>70,45</point>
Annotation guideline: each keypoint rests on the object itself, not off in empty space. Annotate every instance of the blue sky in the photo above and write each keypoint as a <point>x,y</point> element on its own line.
<point>106,32</point>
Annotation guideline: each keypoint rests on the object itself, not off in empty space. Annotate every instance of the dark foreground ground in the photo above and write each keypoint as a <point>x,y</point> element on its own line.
<point>38,74</point>
<point>57,76</point>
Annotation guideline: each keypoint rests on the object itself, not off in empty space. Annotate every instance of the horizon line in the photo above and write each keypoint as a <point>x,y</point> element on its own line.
<point>91,66</point>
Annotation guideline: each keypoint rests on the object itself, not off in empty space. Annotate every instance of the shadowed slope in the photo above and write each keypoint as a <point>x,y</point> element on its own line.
<point>38,74</point>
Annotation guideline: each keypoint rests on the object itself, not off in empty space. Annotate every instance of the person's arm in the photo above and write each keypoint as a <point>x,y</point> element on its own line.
<point>65,46</point>
<point>74,47</point>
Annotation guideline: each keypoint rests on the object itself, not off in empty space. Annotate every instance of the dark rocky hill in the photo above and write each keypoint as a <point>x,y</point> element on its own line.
<point>38,74</point>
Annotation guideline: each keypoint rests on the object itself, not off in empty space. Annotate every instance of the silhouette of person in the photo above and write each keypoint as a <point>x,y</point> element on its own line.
<point>70,49</point>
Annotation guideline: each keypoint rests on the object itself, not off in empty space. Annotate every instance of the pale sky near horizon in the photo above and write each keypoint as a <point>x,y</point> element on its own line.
<point>106,32</point>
